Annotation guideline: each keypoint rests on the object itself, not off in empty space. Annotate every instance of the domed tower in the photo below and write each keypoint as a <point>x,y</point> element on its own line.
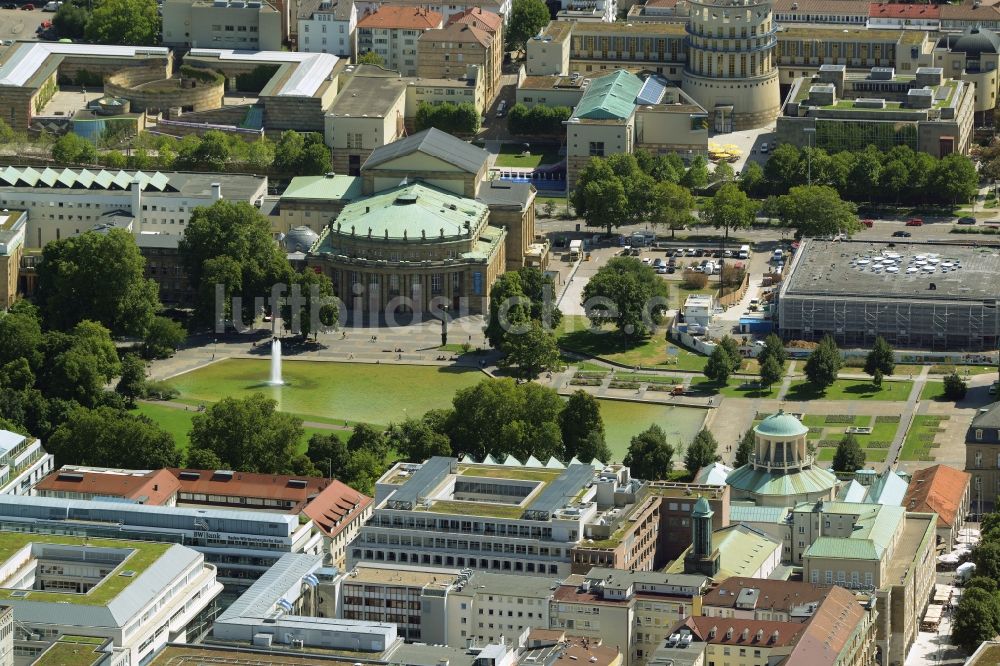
<point>782,470</point>
<point>731,68</point>
<point>703,557</point>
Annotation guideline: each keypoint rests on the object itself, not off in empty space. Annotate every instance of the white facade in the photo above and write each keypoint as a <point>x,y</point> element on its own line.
<point>23,463</point>
<point>330,29</point>
<point>606,11</point>
<point>499,7</point>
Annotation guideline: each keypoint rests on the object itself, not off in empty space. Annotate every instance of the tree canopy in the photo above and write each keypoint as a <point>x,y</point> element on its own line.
<point>96,436</point>
<point>628,294</point>
<point>583,428</point>
<point>729,208</point>
<point>248,434</point>
<point>849,457</point>
<point>814,210</point>
<point>527,18</point>
<point>880,360</point>
<point>649,455</point>
<point>703,451</point>
<point>824,363</point>
<point>128,22</point>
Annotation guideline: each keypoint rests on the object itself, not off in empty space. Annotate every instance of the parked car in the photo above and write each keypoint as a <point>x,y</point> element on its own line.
<point>901,234</point>
<point>966,220</point>
<point>914,222</point>
<point>51,6</point>
<point>28,7</point>
<point>647,261</point>
<point>662,270</point>
<point>657,262</point>
<point>763,148</point>
<point>868,223</point>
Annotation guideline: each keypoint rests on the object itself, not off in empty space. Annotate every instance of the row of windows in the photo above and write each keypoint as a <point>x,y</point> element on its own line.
<point>451,561</point>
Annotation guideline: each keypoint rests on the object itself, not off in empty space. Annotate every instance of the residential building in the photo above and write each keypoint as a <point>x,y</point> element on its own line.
<point>633,611</point>
<point>318,655</point>
<point>533,519</point>
<point>839,631</point>
<point>588,10</point>
<point>550,90</point>
<point>782,471</point>
<point>6,636</point>
<point>620,112</point>
<point>945,492</point>
<point>764,599</point>
<point>327,26</point>
<point>498,7</point>
<point>23,463</point>
<point>65,202</point>
<point>138,595</point>
<point>929,113</point>
<point>471,37</point>
<point>970,15</point>
<point>13,228</point>
<point>223,24</point>
<point>553,647</point>
<point>392,32</point>
<point>241,545</point>
<point>982,458</point>
<point>903,16</point>
<point>154,487</point>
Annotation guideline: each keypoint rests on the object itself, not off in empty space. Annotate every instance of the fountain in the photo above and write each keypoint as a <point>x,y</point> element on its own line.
<point>276,363</point>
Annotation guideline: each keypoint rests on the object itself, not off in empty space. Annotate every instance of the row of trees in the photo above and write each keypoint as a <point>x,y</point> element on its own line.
<point>447,117</point>
<point>538,120</point>
<point>898,175</point>
<point>977,616</point>
<point>129,22</point>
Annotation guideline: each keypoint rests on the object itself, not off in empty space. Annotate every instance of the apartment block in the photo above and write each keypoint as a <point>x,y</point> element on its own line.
<point>392,32</point>
<point>23,463</point>
<point>471,37</point>
<point>327,26</point>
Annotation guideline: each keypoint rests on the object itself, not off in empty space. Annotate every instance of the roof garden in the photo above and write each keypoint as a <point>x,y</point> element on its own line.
<point>514,473</point>
<point>141,556</point>
<point>481,509</point>
<point>73,651</point>
<point>9,218</point>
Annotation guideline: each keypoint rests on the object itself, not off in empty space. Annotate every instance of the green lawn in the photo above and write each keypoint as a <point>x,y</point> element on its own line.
<point>920,438</point>
<point>736,388</point>
<point>933,391</point>
<point>850,389</point>
<point>576,335</point>
<point>178,423</point>
<point>830,429</point>
<point>511,155</point>
<point>623,420</point>
<point>325,391</point>
<point>960,369</point>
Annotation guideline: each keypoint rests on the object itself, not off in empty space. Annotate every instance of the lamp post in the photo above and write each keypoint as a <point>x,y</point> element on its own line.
<point>810,132</point>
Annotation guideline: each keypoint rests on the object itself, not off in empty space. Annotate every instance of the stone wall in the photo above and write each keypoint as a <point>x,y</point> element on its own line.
<point>303,114</point>
<point>184,92</point>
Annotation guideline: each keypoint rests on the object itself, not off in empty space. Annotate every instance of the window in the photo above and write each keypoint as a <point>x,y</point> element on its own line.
<point>979,433</point>
<point>597,149</point>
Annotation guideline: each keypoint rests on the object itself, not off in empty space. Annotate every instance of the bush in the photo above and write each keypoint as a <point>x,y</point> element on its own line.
<point>202,74</point>
<point>954,387</point>
<point>538,119</point>
<point>732,275</point>
<point>695,280</point>
<point>160,391</point>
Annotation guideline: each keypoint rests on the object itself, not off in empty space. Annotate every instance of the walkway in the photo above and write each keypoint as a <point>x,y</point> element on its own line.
<point>906,418</point>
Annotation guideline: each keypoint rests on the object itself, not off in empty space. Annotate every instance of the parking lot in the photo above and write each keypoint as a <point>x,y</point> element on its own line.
<point>18,24</point>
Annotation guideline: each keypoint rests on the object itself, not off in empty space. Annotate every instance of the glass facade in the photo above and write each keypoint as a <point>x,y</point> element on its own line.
<point>837,135</point>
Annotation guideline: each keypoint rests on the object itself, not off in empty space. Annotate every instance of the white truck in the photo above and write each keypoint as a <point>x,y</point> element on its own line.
<point>744,252</point>
<point>575,249</point>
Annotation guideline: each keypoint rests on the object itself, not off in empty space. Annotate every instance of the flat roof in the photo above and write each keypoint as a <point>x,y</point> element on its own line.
<point>311,70</point>
<point>368,96</point>
<point>74,651</point>
<point>401,574</point>
<point>26,58</point>
<point>846,269</point>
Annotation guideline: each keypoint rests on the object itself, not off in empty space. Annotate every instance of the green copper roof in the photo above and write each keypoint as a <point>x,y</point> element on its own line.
<point>324,187</point>
<point>744,512</point>
<point>416,211</point>
<point>701,508</point>
<point>761,482</point>
<point>742,551</point>
<point>609,97</point>
<point>781,425</point>
<point>848,549</point>
<point>874,528</point>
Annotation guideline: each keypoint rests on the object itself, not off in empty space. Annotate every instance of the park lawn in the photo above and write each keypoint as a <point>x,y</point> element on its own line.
<point>933,391</point>
<point>920,438</point>
<point>512,155</point>
<point>587,366</point>
<point>961,369</point>
<point>850,389</point>
<point>575,334</point>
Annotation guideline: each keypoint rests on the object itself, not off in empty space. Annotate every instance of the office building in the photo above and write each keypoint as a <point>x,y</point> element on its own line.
<point>937,297</point>
<point>154,487</point>
<point>392,32</point>
<point>764,599</point>
<point>138,595</point>
<point>945,492</point>
<point>13,229</point>
<point>368,113</point>
<point>248,25</point>
<point>834,111</point>
<point>23,463</point>
<point>65,202</point>
<point>782,470</point>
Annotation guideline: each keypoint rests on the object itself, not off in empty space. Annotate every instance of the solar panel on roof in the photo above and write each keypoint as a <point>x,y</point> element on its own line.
<point>652,91</point>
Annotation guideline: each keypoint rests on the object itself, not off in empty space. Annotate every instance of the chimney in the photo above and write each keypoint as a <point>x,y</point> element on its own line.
<point>216,191</point>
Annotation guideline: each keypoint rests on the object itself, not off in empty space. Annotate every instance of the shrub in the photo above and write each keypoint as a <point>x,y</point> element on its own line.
<point>452,118</point>
<point>695,280</point>
<point>160,391</point>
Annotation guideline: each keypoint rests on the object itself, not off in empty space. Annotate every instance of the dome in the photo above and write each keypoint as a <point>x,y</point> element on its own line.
<point>701,508</point>
<point>781,425</point>
<point>975,41</point>
<point>300,239</point>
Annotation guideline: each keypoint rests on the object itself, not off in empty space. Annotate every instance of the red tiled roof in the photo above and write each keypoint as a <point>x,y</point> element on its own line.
<point>844,7</point>
<point>405,18</point>
<point>776,595</point>
<point>151,487</point>
<point>336,507</point>
<point>731,631</point>
<point>828,631</point>
<point>899,10</point>
<point>459,32</point>
<point>939,489</point>
<point>479,18</point>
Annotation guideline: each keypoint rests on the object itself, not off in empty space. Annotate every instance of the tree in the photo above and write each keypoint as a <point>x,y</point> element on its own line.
<point>17,375</point>
<point>723,172</point>
<point>954,179</point>
<point>371,58</point>
<point>881,360</point>
<point>416,440</point>
<point>527,18</point>
<point>315,160</point>
<point>100,277</point>
<point>770,372</point>
<point>824,363</point>
<point>697,174</point>
<point>815,210</point>
<point>976,619</point>
<point>517,298</point>
<point>538,120</point>
<point>730,208</point>
<point>329,454</point>
<point>314,308</point>
<point>70,20</point>
<point>650,456</point>
<point>79,364</point>
<point>363,470</point>
<point>202,459</point>
<point>230,243</point>
<point>864,178</point>
<point>499,417</point>
<point>578,421</point>
<point>701,452</point>
<point>599,196</point>
<point>367,437</point>
<point>751,179</point>
<point>530,352</point>
<point>955,387</point>
<point>774,347</point>
<point>782,169</point>
<point>162,339</point>
<point>745,449</point>
<point>132,383</point>
<point>7,134</point>
<point>987,558</point>
<point>719,366</point>
<point>248,434</point>
<point>671,205</point>
<point>447,117</point>
<point>127,22</point>
<point>20,334</point>
<point>849,457</point>
<point>96,437</point>
<point>628,294</point>
<point>733,351</point>
<point>73,149</point>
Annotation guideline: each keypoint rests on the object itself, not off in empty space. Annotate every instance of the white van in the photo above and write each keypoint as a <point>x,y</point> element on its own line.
<point>744,252</point>
<point>778,256</point>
